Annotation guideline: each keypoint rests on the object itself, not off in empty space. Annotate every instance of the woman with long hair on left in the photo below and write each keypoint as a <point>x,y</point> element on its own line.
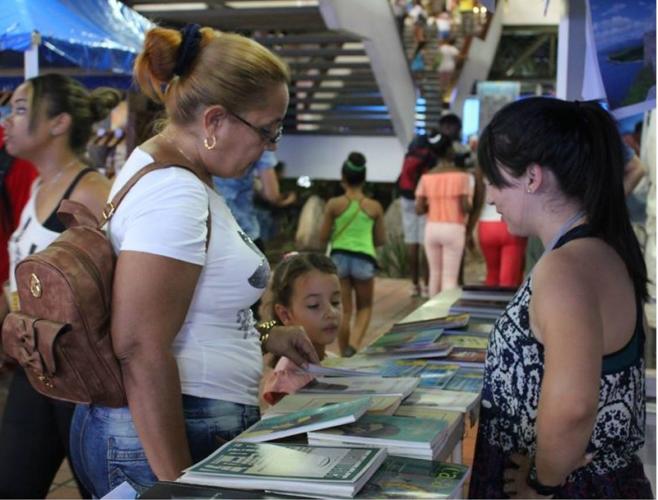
<point>50,124</point>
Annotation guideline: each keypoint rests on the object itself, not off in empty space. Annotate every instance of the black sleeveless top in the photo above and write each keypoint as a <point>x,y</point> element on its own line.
<point>514,371</point>
<point>52,222</point>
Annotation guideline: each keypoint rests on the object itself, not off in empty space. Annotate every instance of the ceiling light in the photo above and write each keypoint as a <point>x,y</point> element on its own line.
<point>237,4</point>
<point>161,7</point>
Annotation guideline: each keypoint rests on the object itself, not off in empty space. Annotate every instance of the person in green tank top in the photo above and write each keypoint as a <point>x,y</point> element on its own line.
<point>353,225</point>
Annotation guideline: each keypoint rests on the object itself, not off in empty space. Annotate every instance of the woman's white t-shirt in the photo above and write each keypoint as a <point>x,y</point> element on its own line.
<point>217,348</point>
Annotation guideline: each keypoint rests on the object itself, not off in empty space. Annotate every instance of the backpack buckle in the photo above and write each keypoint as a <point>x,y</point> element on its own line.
<point>108,212</point>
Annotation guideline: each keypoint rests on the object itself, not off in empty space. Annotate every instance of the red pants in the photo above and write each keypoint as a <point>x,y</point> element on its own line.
<point>503,253</point>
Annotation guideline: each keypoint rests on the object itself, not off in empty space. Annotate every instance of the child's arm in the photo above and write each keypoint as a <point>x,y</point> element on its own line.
<point>327,222</point>
<point>379,228</point>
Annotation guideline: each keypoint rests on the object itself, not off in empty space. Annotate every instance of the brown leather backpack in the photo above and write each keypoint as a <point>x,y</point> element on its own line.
<point>61,336</point>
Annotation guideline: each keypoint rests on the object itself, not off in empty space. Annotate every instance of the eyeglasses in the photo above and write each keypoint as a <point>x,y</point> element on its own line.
<point>264,133</point>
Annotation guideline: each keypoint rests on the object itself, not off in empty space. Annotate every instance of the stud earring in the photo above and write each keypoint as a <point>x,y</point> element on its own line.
<point>208,145</point>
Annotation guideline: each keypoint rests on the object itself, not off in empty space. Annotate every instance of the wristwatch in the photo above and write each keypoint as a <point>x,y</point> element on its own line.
<point>540,488</point>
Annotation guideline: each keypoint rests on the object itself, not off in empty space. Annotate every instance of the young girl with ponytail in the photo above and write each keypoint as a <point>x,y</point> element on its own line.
<point>563,402</point>
<point>355,224</point>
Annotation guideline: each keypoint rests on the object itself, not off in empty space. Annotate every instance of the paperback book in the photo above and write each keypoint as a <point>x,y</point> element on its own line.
<point>446,400</point>
<point>490,309</point>
<point>412,351</point>
<point>301,469</point>
<point>401,368</point>
<point>399,386</point>
<point>400,477</point>
<point>326,371</point>
<point>306,420</point>
<point>379,405</point>
<point>445,322</point>
<point>464,357</point>
<point>481,292</point>
<point>437,375</point>
<point>402,436</point>
<point>467,341</point>
<point>392,340</point>
<point>467,380</point>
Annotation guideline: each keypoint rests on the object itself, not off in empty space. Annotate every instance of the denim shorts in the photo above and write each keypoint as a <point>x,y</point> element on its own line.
<point>352,266</point>
<point>106,451</point>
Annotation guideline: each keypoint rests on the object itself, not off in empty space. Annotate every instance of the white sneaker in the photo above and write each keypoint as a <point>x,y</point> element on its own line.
<point>424,292</point>
<point>415,290</point>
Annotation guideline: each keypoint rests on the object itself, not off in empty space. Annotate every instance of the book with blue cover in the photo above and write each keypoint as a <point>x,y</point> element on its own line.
<point>306,420</point>
<point>437,375</point>
<point>301,469</point>
<point>445,322</point>
<point>468,380</point>
<point>392,340</point>
<point>401,368</point>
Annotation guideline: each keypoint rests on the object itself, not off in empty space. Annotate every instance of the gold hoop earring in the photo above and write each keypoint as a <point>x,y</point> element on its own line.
<point>209,146</point>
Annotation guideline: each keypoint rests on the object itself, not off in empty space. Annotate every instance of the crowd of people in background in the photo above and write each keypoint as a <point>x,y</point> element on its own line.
<point>192,264</point>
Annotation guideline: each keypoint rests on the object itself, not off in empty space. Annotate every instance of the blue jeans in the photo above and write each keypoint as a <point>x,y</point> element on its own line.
<point>352,266</point>
<point>106,450</point>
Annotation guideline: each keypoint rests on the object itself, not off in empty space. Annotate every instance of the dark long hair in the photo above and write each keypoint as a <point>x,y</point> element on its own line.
<point>579,142</point>
<point>62,94</point>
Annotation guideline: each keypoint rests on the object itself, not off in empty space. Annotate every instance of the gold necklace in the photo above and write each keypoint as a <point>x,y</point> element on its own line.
<point>171,142</point>
<point>59,174</point>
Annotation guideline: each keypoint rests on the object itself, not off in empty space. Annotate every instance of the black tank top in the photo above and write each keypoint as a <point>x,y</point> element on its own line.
<point>52,222</point>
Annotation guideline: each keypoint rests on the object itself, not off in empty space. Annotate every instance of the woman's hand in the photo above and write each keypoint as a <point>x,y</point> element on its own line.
<point>293,343</point>
<point>515,478</point>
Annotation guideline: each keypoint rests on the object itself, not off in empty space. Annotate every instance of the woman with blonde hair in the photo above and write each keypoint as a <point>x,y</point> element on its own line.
<point>186,273</point>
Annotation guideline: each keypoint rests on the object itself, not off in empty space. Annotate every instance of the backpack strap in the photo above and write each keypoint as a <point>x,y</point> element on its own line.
<point>112,205</point>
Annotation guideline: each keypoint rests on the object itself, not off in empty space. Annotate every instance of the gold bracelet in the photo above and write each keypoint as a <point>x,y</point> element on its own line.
<point>264,330</point>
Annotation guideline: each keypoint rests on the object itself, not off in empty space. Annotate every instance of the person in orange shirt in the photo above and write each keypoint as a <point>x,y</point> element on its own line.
<point>445,193</point>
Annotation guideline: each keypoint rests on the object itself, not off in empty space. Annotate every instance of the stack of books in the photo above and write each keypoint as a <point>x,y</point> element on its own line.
<point>483,302</point>
<point>402,436</point>
<point>400,477</point>
<point>379,405</point>
<point>288,468</point>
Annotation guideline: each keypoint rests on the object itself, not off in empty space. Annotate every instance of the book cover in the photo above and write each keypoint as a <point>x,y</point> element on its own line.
<point>381,405</point>
<point>437,375</point>
<point>400,477</point>
<point>405,338</point>
<point>284,467</point>
<point>450,321</point>
<point>326,371</point>
<point>466,380</point>
<point>499,294</point>
<point>465,357</point>
<point>306,420</point>
<point>401,386</point>
<point>490,309</point>
<point>411,351</point>
<point>479,328</point>
<point>446,400</point>
<point>466,341</point>
<point>450,418</point>
<point>384,431</point>
<point>401,368</point>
